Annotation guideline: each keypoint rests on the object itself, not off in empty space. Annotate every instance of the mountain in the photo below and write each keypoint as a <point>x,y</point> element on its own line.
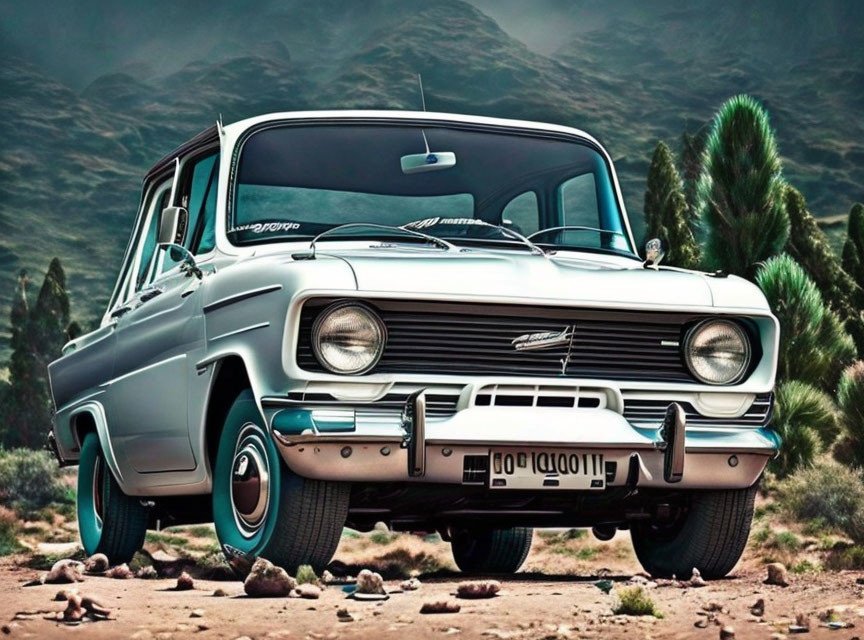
<point>85,113</point>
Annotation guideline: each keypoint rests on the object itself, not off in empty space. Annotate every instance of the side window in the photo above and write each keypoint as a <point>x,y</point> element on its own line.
<point>577,199</point>
<point>201,203</point>
<point>522,214</point>
<point>148,255</point>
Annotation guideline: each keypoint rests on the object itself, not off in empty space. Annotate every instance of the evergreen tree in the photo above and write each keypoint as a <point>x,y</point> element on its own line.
<point>666,210</point>
<point>692,145</point>
<point>810,248</point>
<point>38,334</point>
<point>853,250</point>
<point>740,195</point>
<point>850,396</point>
<point>814,347</point>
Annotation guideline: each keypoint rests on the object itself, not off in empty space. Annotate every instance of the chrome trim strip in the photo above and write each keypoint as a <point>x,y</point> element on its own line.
<point>260,325</point>
<point>239,297</point>
<point>182,356</point>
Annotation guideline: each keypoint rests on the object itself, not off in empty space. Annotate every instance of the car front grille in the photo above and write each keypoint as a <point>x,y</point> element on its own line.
<point>650,413</point>
<point>444,338</point>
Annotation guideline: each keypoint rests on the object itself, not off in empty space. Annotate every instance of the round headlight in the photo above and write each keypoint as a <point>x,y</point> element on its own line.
<point>717,352</point>
<point>348,338</point>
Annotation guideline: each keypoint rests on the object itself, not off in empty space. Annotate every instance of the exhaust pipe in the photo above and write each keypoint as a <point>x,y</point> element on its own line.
<point>604,533</point>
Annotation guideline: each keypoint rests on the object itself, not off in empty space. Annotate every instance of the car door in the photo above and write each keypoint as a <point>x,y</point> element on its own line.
<point>156,329</point>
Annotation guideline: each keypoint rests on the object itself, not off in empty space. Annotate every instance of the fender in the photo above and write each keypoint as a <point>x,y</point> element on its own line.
<point>97,412</point>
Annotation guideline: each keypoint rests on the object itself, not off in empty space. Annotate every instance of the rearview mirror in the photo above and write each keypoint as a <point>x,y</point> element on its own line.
<point>432,161</point>
<point>172,225</point>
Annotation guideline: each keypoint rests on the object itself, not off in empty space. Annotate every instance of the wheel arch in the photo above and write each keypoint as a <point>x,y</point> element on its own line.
<point>90,418</point>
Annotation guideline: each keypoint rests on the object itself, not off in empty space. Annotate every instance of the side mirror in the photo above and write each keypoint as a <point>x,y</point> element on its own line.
<point>186,260</point>
<point>173,223</point>
<point>653,252</point>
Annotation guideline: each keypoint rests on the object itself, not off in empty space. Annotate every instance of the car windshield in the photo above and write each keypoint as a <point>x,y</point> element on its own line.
<point>295,182</point>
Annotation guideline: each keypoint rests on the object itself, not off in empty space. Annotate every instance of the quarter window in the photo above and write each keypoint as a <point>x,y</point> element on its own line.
<point>578,201</point>
<point>522,214</point>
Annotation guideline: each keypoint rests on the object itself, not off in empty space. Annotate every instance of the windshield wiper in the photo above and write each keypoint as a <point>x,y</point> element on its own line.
<point>368,225</point>
<point>581,228</point>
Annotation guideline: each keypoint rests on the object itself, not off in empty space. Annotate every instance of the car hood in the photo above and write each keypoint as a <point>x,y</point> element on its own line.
<point>592,280</point>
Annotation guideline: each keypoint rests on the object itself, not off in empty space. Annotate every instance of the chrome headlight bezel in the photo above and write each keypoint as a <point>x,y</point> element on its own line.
<point>367,312</point>
<point>738,330</point>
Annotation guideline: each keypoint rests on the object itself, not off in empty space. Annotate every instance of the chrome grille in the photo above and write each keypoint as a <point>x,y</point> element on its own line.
<point>643,412</point>
<point>444,338</point>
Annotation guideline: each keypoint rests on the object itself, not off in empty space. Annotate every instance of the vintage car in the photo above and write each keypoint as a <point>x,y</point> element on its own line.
<point>435,321</point>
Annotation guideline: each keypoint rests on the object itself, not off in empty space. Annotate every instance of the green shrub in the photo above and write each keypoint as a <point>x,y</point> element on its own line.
<point>635,601</point>
<point>853,249</point>
<point>785,541</point>
<point>382,537</point>
<point>829,492</point>
<point>8,532</point>
<point>850,396</point>
<point>806,420</point>
<point>814,347</point>
<point>306,575</point>
<point>30,480</point>
<point>740,191</point>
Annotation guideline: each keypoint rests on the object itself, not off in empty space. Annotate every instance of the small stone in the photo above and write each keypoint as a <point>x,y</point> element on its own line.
<point>440,606</point>
<point>94,608</point>
<point>801,620</point>
<point>758,608</point>
<point>63,594</point>
<point>197,613</point>
<point>714,607</point>
<point>369,582</point>
<point>74,612</point>
<point>146,573</point>
<point>184,582</point>
<point>412,584</point>
<point>308,591</point>
<point>777,574</point>
<point>97,563</point>
<point>344,615</point>
<point>478,589</point>
<point>327,577</point>
<point>64,571</point>
<point>727,633</point>
<point>120,572</point>
<point>696,579</point>
<point>265,579</point>
<point>220,593</point>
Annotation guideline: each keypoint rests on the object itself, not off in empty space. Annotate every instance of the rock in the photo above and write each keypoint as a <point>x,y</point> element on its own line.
<point>327,577</point>
<point>120,572</point>
<point>267,580</point>
<point>343,615</point>
<point>220,593</point>
<point>308,591</point>
<point>714,607</point>
<point>63,594</point>
<point>97,563</point>
<point>411,584</point>
<point>369,582</point>
<point>696,579</point>
<point>777,574</point>
<point>758,608</point>
<point>440,606</point>
<point>146,573</point>
<point>197,613</point>
<point>94,608</point>
<point>802,622</point>
<point>478,589</point>
<point>74,612</point>
<point>727,633</point>
<point>184,582</point>
<point>64,571</point>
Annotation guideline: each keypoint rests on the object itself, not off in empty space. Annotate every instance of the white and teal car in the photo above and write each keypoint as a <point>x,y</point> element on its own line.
<point>440,322</point>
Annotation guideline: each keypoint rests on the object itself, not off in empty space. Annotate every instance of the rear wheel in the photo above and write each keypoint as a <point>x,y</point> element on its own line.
<point>709,535</point>
<point>261,508</point>
<point>491,550</point>
<point>109,521</point>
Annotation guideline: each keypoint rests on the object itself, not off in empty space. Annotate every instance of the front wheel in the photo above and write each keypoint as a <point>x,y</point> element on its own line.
<point>261,508</point>
<point>109,521</point>
<point>710,535</point>
<point>491,550</point>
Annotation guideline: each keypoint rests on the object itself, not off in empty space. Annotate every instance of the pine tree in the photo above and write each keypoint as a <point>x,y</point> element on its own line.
<point>666,210</point>
<point>810,248</point>
<point>740,195</point>
<point>692,145</point>
<point>853,250</point>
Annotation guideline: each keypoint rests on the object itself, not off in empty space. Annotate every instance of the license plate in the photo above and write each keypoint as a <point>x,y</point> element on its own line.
<point>546,469</point>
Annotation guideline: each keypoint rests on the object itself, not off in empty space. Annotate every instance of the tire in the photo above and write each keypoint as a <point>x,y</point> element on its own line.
<point>491,550</point>
<point>302,519</point>
<point>710,536</point>
<point>109,521</point>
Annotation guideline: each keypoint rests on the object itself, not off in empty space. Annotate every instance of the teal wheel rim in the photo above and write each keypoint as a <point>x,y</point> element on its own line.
<point>91,487</point>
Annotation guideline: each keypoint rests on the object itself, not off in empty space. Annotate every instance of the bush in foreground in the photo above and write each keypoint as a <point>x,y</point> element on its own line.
<point>635,601</point>
<point>8,532</point>
<point>828,492</point>
<point>29,479</point>
<point>806,420</point>
<point>850,397</point>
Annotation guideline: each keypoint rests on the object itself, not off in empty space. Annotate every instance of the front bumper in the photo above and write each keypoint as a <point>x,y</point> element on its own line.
<point>446,450</point>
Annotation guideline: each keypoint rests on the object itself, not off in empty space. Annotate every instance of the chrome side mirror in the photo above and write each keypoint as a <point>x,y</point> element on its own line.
<point>173,222</point>
<point>182,255</point>
<point>653,253</point>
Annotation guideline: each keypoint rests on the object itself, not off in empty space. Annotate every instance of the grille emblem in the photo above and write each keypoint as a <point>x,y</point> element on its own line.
<point>543,340</point>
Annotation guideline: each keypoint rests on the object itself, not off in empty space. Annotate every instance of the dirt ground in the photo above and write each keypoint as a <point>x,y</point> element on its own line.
<point>555,597</point>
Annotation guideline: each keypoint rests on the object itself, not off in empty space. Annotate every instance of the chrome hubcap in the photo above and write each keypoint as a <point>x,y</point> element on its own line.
<point>250,481</point>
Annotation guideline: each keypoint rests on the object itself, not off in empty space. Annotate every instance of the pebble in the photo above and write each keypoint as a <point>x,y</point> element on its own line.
<point>197,613</point>
<point>478,589</point>
<point>758,608</point>
<point>267,580</point>
<point>309,591</point>
<point>777,574</point>
<point>727,633</point>
<point>412,584</point>
<point>184,582</point>
<point>120,572</point>
<point>440,606</point>
<point>97,563</point>
<point>370,582</point>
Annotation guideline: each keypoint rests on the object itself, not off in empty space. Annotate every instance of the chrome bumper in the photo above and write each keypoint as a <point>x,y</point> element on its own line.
<point>435,451</point>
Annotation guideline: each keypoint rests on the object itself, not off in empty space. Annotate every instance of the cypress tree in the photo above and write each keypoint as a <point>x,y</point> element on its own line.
<point>850,396</point>
<point>810,248</point>
<point>740,195</point>
<point>666,210</point>
<point>692,145</point>
<point>853,250</point>
<point>814,347</point>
